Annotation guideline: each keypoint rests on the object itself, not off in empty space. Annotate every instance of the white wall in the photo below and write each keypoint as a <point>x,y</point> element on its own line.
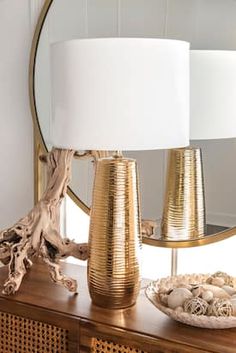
<point>16,139</point>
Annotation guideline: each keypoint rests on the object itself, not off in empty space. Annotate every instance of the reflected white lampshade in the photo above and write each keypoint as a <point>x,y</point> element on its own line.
<point>212,94</point>
<point>120,94</point>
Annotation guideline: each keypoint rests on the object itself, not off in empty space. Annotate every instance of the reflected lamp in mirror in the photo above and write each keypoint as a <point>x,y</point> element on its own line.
<point>184,203</point>
<point>212,116</point>
<point>118,94</point>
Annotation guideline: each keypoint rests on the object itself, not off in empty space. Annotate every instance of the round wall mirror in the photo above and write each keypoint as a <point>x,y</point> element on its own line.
<point>205,24</point>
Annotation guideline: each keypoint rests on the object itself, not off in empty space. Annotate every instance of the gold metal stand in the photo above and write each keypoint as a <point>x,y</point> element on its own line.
<point>115,234</point>
<point>174,262</point>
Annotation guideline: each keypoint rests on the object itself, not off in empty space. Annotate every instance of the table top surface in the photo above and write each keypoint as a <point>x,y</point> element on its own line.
<point>38,290</point>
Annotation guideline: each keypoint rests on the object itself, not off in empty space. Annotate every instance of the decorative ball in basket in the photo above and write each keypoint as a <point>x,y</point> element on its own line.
<point>200,300</point>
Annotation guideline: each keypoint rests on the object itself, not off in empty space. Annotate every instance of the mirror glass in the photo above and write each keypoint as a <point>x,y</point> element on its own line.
<point>206,24</point>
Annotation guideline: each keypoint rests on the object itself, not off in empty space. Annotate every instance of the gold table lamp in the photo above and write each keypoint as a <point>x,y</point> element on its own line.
<point>118,94</point>
<point>115,236</point>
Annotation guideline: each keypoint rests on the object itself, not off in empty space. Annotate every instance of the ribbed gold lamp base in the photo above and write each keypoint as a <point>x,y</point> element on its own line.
<point>184,206</point>
<point>115,234</point>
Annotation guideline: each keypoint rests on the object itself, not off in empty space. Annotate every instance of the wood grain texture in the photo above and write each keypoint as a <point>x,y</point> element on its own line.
<point>129,339</point>
<point>142,325</point>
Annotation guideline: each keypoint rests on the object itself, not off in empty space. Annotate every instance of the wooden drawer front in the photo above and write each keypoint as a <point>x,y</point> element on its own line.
<point>99,345</point>
<point>21,335</point>
<point>97,338</point>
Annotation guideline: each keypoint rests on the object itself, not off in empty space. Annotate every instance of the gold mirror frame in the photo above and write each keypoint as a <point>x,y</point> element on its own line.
<point>40,147</point>
<point>39,143</point>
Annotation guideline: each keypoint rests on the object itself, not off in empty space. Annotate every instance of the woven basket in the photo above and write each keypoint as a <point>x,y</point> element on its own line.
<point>211,322</point>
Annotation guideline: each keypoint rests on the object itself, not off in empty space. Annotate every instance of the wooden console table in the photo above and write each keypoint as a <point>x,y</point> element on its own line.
<point>45,318</point>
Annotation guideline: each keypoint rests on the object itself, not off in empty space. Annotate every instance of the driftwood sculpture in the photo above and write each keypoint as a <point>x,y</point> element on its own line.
<point>38,233</point>
<point>148,227</point>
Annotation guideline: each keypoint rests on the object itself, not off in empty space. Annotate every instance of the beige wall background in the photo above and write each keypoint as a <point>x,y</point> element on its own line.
<point>16,141</point>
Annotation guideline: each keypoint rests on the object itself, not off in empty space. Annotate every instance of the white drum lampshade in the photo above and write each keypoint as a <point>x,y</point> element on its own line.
<point>118,94</point>
<point>212,94</point>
